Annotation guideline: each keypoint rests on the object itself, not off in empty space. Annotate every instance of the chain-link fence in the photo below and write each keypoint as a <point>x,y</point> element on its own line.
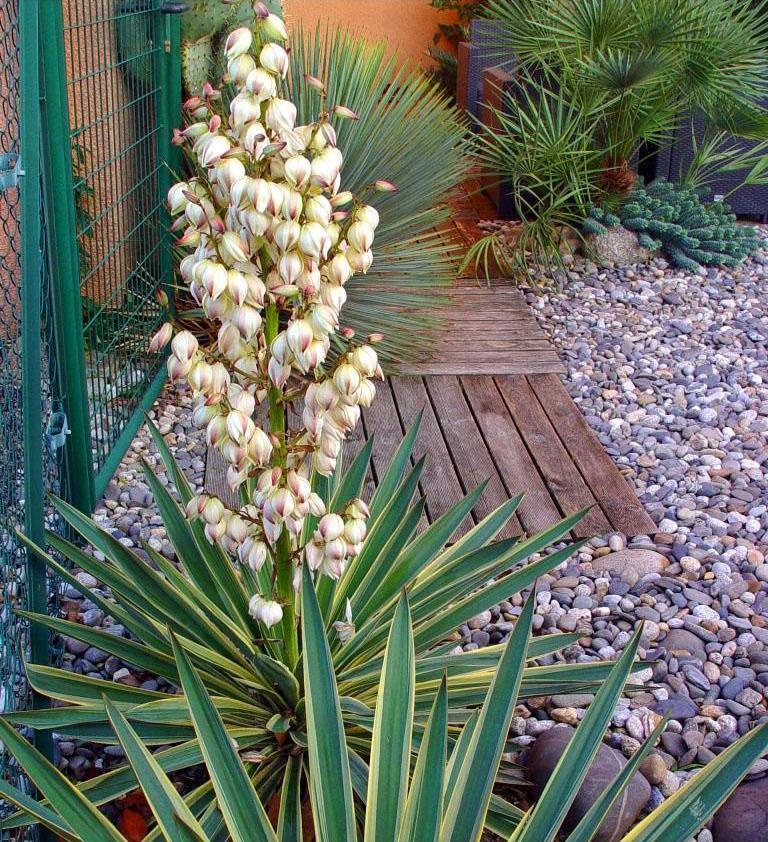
<point>29,403</point>
<point>85,125</point>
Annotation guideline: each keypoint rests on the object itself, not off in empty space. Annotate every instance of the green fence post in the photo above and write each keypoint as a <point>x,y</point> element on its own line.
<point>65,268</point>
<point>31,273</point>
<point>168,75</point>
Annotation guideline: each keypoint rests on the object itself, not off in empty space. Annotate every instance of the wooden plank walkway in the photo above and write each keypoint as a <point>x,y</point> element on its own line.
<point>495,409</point>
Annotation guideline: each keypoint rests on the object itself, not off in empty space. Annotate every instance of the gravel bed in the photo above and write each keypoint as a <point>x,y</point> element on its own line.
<point>671,371</point>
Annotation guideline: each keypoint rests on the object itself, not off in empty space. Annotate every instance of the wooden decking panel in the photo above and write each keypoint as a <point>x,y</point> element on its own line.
<point>493,409</point>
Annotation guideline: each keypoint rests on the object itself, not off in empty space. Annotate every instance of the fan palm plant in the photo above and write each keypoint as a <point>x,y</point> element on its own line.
<point>440,792</point>
<point>645,64</point>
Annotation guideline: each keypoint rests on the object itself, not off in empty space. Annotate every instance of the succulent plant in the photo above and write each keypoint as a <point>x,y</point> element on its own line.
<point>693,233</point>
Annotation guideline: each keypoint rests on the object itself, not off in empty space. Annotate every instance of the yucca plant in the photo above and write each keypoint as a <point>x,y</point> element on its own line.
<point>441,792</point>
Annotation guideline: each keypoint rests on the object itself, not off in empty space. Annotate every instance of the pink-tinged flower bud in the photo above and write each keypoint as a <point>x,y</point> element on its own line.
<point>272,530</point>
<point>234,453</point>
<point>345,113</point>
<point>297,170</point>
<point>355,531</point>
<point>279,348</point>
<point>323,319</point>
<point>365,360</point>
<point>330,527</point>
<point>177,201</point>
<point>278,374</point>
<point>239,196</point>
<point>273,27</point>
<point>327,395</point>
<point>213,510</point>
<point>216,431</point>
<point>261,84</point>
<point>309,282</point>
<point>315,354</point>
<point>333,297</point>
<point>238,42</point>
<point>336,550</point>
<point>346,415</point>
<point>281,115</point>
<point>327,135</point>
<point>299,486</point>
<point>287,235</point>
<point>358,509</point>
<point>382,186</point>
<point>241,399</point>
<point>290,266</point>
<point>282,503</point>
<point>314,553</point>
<point>324,465</point>
<point>366,394</point>
<point>260,447</point>
<point>330,445</point>
<point>339,269</point>
<point>161,338</point>
<point>229,341</point>
<point>360,236</point>
<point>260,194</point>
<point>256,290</point>
<point>239,67</point>
<point>244,108</point>
<point>184,345</point>
<point>293,205</point>
<point>214,532</point>
<point>195,506</point>
<point>254,554</point>
<point>237,286</point>
<point>213,277</point>
<point>247,320</point>
<point>237,528</point>
<point>277,195</point>
<point>325,168</point>
<point>314,241</point>
<point>360,261</point>
<point>200,377</point>
<point>203,414</point>
<point>316,505</point>
<point>314,83</point>
<point>229,172</point>
<point>190,238</point>
<point>368,215</point>
<point>233,249</point>
<point>341,199</point>
<point>212,150</point>
<point>240,427</point>
<point>266,611</point>
<point>319,210</point>
<point>375,338</point>
<point>275,59</point>
<point>219,379</point>
<point>298,335</point>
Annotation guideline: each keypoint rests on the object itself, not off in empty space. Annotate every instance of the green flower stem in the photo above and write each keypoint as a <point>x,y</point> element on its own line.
<point>283,550</point>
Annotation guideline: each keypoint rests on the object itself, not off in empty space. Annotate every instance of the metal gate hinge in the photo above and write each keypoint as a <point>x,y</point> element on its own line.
<point>10,170</point>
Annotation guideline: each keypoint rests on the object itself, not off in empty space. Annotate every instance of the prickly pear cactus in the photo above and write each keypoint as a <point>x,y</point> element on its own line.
<point>203,27</point>
<point>674,218</point>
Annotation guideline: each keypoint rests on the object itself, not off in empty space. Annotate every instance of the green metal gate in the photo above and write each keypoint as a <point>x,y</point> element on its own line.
<point>89,92</point>
<point>29,381</point>
<point>112,85</point>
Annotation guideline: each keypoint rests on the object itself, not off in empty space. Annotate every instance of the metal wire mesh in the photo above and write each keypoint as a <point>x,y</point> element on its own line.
<point>112,80</point>
<point>15,487</point>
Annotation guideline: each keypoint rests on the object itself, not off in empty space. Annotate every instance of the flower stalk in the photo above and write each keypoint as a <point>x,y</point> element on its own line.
<point>272,239</point>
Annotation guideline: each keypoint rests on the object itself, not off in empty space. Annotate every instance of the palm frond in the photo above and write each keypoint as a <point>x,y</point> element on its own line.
<point>407,132</point>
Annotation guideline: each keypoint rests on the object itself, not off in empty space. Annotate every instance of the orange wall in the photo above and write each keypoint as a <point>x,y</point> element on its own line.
<point>407,25</point>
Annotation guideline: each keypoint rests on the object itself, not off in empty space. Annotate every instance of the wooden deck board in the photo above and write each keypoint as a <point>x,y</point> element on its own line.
<point>495,409</point>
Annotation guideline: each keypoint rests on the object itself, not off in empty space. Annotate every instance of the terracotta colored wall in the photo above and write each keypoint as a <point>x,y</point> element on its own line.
<point>407,25</point>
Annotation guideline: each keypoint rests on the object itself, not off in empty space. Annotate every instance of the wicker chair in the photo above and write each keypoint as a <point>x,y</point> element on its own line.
<point>476,56</point>
<point>750,201</point>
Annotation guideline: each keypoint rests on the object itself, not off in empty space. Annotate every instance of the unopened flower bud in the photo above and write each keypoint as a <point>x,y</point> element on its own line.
<point>184,345</point>
<point>161,338</point>
<point>238,42</point>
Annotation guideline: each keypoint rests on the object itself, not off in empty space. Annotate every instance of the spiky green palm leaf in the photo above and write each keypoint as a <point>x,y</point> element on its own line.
<point>438,791</point>
<point>408,133</point>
